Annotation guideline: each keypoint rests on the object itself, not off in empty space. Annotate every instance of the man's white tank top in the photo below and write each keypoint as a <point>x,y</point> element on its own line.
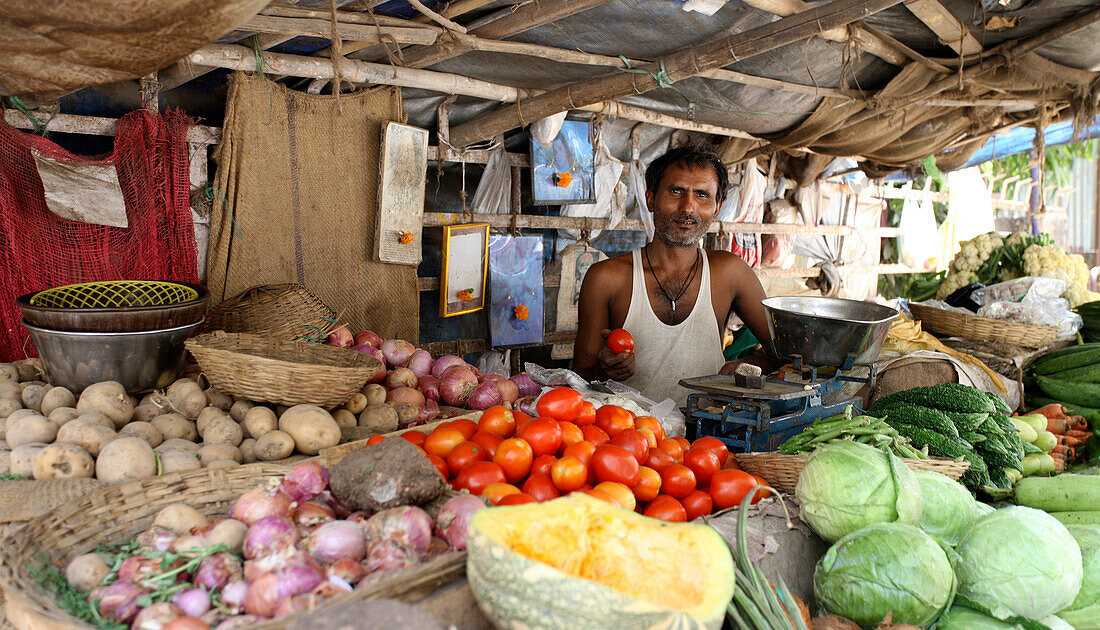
<point>665,354</point>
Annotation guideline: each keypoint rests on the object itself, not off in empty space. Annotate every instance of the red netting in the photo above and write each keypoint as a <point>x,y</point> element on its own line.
<point>39,249</point>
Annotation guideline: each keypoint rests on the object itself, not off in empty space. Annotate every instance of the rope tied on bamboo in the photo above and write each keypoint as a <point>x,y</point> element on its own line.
<point>661,77</point>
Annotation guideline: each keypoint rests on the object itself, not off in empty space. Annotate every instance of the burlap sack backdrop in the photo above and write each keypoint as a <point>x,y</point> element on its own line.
<point>297,202</point>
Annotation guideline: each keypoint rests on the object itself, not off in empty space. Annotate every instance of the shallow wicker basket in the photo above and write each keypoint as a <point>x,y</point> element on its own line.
<point>118,513</point>
<point>262,369</point>
<point>782,471</point>
<point>954,324</point>
<point>281,311</point>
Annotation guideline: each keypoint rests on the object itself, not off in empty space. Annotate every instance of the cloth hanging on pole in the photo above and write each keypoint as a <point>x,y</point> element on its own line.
<point>39,249</point>
<point>298,179</point>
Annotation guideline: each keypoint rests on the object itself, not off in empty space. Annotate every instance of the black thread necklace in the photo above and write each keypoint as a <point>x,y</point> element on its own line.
<point>683,288</point>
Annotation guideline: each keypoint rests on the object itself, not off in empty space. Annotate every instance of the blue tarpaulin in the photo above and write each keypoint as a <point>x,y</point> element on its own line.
<point>1019,140</point>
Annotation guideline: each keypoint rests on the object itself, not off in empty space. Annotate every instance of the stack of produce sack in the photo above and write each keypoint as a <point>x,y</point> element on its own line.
<point>918,547</point>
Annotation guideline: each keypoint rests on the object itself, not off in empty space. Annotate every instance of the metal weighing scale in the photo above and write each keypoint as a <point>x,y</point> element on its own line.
<point>824,338</point>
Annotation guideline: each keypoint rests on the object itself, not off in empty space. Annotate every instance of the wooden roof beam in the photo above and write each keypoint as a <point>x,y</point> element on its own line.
<point>179,73</point>
<point>950,30</point>
<point>866,40</point>
<point>674,67</point>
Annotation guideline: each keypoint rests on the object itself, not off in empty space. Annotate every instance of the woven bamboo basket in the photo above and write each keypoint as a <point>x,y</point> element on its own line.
<point>954,324</point>
<point>782,471</point>
<point>279,311</point>
<point>262,369</point>
<point>118,513</point>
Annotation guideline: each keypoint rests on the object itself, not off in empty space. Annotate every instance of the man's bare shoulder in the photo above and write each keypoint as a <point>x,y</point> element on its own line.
<point>726,261</point>
<point>611,271</point>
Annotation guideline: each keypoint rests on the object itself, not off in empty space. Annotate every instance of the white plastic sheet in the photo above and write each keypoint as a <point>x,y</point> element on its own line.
<point>494,191</point>
<point>610,194</point>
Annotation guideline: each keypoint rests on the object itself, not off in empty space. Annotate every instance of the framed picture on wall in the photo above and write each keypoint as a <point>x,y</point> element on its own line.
<point>563,172</point>
<point>465,266</point>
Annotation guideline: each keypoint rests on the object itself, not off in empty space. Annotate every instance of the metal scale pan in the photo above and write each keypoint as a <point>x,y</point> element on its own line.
<point>818,334</point>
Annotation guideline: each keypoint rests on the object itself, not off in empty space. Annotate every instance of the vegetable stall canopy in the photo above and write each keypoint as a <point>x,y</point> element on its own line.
<point>912,79</point>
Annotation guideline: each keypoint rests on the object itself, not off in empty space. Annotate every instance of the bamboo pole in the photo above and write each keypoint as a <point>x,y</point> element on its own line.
<point>671,68</point>
<point>868,41</point>
<point>415,34</point>
<point>630,112</point>
<point>437,18</point>
<point>240,58</point>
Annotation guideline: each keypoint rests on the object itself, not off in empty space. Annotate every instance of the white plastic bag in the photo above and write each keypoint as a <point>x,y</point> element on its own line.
<point>918,238</point>
<point>494,191</point>
<point>609,193</point>
<point>495,362</point>
<point>1040,306</point>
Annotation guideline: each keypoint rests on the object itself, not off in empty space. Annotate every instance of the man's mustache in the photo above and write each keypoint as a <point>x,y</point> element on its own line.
<point>683,217</point>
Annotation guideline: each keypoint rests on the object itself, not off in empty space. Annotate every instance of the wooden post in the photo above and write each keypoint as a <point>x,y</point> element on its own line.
<point>150,93</point>
<point>671,68</point>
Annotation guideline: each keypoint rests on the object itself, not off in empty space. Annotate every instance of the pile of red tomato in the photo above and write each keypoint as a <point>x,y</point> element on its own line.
<point>609,453</point>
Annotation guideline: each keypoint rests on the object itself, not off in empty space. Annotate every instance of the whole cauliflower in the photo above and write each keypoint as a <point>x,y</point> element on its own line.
<point>1051,261</point>
<point>965,265</point>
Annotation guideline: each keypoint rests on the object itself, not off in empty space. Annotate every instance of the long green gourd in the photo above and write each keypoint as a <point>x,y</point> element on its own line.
<point>1064,493</point>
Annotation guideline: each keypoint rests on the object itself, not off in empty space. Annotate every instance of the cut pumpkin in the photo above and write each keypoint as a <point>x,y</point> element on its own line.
<point>578,562</point>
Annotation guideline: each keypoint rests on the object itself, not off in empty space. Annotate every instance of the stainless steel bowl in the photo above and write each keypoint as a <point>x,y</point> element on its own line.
<point>140,361</point>
<point>828,331</point>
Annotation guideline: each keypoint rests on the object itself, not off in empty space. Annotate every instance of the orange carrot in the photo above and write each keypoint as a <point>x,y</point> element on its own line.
<point>1053,410</point>
<point>1080,435</point>
<point>1066,451</point>
<point>1068,441</point>
<point>1059,464</point>
<point>1078,423</point>
<point>1057,426</point>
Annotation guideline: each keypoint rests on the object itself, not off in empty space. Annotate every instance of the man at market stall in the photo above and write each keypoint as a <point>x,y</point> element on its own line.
<point>671,295</point>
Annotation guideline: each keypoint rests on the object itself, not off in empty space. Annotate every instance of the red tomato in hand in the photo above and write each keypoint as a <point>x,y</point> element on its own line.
<point>543,434</point>
<point>465,454</point>
<point>633,441</point>
<point>677,480</point>
<point>657,459</point>
<point>697,504</point>
<point>569,474</point>
<point>587,414</point>
<point>614,463</point>
<point>514,456</point>
<point>666,508</point>
<point>560,403</point>
<point>613,419</point>
<point>541,487</point>
<point>477,476</point>
<point>729,486</point>
<point>543,464</point>
<point>718,447</point>
<point>595,435</point>
<point>497,420</point>
<point>619,341</point>
<point>703,462</point>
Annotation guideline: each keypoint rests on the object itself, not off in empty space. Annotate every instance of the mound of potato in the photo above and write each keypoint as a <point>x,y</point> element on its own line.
<point>102,432</point>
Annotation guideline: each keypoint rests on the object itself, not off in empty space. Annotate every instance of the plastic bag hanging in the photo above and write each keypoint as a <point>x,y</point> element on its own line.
<point>544,130</point>
<point>494,191</point>
<point>918,238</point>
<point>635,183</point>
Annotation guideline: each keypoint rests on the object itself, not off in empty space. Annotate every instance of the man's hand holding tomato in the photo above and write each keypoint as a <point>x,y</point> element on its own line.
<point>617,366</point>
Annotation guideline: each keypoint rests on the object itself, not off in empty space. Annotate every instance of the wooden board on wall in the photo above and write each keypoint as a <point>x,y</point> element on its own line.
<point>404,169</point>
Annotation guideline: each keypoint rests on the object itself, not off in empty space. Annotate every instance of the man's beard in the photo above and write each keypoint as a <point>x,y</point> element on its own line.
<point>668,232</point>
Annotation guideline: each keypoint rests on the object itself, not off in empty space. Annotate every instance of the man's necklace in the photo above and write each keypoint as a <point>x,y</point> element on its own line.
<point>683,287</point>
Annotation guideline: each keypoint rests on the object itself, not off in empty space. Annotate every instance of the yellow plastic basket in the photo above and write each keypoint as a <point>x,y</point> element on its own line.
<point>115,294</point>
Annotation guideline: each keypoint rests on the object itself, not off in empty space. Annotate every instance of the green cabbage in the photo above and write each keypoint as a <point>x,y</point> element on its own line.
<point>981,509</point>
<point>963,618</point>
<point>847,486</point>
<point>1019,561</point>
<point>1084,612</point>
<point>949,509</point>
<point>882,568</point>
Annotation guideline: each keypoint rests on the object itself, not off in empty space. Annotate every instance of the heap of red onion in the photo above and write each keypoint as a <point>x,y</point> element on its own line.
<point>340,337</point>
<point>217,570</point>
<point>457,385</point>
<point>429,386</point>
<point>194,602</point>
<point>527,386</point>
<point>305,481</point>
<point>420,362</point>
<point>454,519</point>
<point>400,377</point>
<point>397,352</point>
<point>486,395</point>
<point>270,535</point>
<point>444,363</point>
<point>367,337</point>
<point>267,500</point>
<point>337,540</point>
